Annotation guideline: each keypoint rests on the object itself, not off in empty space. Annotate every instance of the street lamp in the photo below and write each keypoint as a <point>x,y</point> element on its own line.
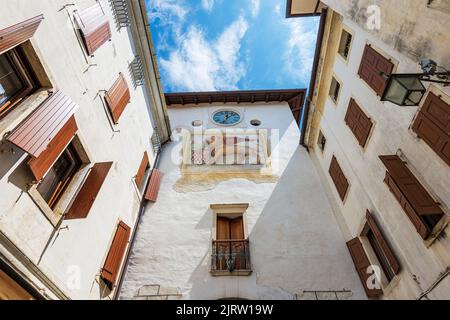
<point>407,89</point>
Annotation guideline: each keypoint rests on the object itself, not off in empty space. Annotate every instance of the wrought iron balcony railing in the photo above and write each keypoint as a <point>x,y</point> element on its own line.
<point>230,256</point>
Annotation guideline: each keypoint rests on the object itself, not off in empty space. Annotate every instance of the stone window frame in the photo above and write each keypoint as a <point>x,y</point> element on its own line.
<point>55,215</point>
<point>386,286</point>
<point>232,210</point>
<point>336,101</point>
<point>348,30</point>
<point>320,137</point>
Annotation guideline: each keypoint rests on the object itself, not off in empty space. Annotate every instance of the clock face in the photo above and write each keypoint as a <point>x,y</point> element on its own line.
<point>226,117</point>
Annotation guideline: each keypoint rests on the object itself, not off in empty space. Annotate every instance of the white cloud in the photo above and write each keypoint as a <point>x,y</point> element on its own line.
<point>171,16</point>
<point>255,6</point>
<point>208,5</point>
<point>166,9</point>
<point>278,8</point>
<point>199,65</point>
<point>300,48</point>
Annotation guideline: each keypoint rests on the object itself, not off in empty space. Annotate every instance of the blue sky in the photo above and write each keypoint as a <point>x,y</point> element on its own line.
<point>213,45</point>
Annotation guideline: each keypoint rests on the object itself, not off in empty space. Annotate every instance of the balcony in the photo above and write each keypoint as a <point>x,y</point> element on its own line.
<point>230,258</point>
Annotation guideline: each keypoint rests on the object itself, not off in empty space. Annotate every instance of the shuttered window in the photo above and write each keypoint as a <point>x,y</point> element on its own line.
<point>383,250</point>
<point>117,98</point>
<point>358,122</point>
<point>231,229</point>
<point>40,165</point>
<point>113,262</point>
<point>19,33</point>
<point>141,171</point>
<point>151,194</point>
<point>88,192</point>
<point>373,66</point>
<point>362,264</point>
<point>432,124</point>
<point>338,177</point>
<point>94,27</point>
<point>37,131</point>
<point>417,203</point>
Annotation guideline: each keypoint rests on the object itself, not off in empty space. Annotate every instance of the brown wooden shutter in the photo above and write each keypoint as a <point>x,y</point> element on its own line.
<point>373,64</point>
<point>223,229</point>
<point>142,167</point>
<point>237,233</point>
<point>151,194</point>
<point>388,253</point>
<point>237,229</point>
<point>19,33</point>
<point>362,264</point>
<point>118,97</point>
<point>88,192</point>
<point>40,165</point>
<point>94,27</point>
<point>358,122</point>
<point>432,124</point>
<point>34,134</point>
<point>222,233</point>
<point>418,223</point>
<point>338,177</point>
<point>411,188</point>
<point>413,197</point>
<point>113,262</point>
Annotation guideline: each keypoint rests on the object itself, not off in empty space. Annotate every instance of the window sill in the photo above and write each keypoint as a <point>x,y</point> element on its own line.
<point>22,110</point>
<point>333,101</point>
<point>51,216</point>
<point>235,273</point>
<point>55,215</point>
<point>343,59</point>
<point>389,287</point>
<point>437,231</point>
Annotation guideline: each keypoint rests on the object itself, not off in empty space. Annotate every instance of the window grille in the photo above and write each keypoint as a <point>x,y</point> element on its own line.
<point>137,72</point>
<point>120,9</point>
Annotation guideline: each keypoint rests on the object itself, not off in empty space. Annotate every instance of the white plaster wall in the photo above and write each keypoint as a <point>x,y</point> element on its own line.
<point>295,242</point>
<point>365,171</point>
<point>412,27</point>
<point>84,242</point>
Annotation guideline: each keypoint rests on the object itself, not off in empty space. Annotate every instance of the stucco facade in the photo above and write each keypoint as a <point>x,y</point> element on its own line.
<point>405,37</point>
<point>295,220</point>
<point>62,258</point>
<point>295,243</point>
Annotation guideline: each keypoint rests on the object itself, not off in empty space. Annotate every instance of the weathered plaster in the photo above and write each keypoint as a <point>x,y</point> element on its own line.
<point>295,242</point>
<point>408,26</point>
<point>421,262</point>
<point>81,243</point>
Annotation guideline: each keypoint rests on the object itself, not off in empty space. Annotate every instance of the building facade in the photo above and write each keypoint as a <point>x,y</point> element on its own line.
<point>241,212</point>
<point>233,206</point>
<point>81,112</point>
<point>385,166</point>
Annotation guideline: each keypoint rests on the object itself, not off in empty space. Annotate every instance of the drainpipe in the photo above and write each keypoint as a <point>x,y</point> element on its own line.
<point>435,284</point>
<point>320,34</point>
<point>133,237</point>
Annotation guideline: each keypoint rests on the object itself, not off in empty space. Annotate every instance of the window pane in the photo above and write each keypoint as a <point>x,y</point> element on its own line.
<point>10,83</point>
<point>380,256</point>
<point>334,90</point>
<point>344,45</point>
<point>55,181</point>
